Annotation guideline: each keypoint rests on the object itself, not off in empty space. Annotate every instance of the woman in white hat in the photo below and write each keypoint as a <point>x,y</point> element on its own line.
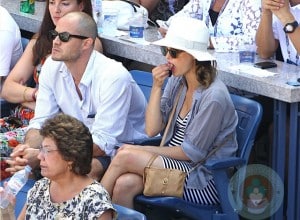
<point>204,119</point>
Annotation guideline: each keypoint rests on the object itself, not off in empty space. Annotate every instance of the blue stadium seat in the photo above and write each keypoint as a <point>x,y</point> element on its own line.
<point>128,214</point>
<point>144,80</point>
<point>24,41</point>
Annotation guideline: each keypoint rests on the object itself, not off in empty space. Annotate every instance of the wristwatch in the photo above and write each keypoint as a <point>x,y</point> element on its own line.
<point>290,27</point>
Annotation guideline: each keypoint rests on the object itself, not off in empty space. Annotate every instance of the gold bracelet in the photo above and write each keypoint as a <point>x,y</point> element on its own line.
<point>24,95</point>
<point>33,96</point>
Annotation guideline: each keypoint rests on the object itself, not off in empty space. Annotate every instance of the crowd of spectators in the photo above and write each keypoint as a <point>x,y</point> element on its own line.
<point>63,70</point>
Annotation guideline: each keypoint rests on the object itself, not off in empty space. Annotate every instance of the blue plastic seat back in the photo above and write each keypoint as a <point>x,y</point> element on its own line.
<point>128,214</point>
<point>249,115</point>
<point>144,80</point>
<point>24,41</point>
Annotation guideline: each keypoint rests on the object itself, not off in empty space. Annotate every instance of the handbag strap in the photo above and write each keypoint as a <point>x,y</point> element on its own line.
<point>205,158</point>
<point>170,117</point>
<point>151,160</point>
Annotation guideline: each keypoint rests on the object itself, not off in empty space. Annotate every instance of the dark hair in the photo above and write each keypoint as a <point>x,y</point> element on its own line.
<point>206,72</point>
<point>43,45</point>
<point>73,139</point>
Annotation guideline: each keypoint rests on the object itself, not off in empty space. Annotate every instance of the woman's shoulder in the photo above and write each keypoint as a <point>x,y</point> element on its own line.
<point>217,85</point>
<point>96,196</point>
<point>42,182</point>
<point>95,189</point>
<point>217,91</point>
<point>39,186</point>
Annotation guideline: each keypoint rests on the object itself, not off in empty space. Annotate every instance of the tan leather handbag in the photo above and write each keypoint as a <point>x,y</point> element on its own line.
<point>163,182</point>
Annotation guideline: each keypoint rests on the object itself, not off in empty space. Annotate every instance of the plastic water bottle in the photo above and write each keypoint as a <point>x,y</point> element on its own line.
<point>97,14</point>
<point>14,185</point>
<point>197,10</point>
<point>136,27</point>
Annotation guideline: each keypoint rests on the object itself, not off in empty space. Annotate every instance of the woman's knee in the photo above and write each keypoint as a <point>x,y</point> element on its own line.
<point>128,184</point>
<point>124,157</point>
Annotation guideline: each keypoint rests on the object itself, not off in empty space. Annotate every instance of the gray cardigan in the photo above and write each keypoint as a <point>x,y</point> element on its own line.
<point>212,122</point>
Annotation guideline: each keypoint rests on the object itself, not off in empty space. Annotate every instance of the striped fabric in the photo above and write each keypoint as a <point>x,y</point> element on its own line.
<point>178,135</point>
<point>208,195</point>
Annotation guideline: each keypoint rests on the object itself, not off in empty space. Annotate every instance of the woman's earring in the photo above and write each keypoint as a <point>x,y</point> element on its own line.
<point>70,166</point>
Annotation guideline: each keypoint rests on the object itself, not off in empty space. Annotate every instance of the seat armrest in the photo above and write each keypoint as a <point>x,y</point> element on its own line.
<point>224,163</point>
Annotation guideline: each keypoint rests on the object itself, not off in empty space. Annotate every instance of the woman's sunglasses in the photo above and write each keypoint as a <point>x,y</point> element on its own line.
<point>64,36</point>
<point>173,52</point>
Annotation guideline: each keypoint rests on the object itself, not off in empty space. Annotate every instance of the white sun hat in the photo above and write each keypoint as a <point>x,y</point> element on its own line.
<point>190,35</point>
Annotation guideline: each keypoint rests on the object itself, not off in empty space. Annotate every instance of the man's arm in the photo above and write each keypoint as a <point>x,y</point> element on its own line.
<point>265,40</point>
<point>33,138</point>
<point>97,152</point>
<point>285,16</point>
<point>6,44</point>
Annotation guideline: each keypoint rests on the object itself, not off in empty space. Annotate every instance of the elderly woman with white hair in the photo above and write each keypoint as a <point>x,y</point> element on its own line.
<point>204,119</point>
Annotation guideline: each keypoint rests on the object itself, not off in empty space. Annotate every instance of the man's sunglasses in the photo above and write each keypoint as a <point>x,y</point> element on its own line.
<point>173,52</point>
<point>64,36</point>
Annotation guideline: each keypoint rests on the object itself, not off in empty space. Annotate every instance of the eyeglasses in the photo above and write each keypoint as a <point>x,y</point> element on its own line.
<point>45,151</point>
<point>173,52</point>
<point>64,36</point>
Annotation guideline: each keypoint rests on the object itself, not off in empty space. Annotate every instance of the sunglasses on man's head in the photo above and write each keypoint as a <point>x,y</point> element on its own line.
<point>173,52</point>
<point>64,36</point>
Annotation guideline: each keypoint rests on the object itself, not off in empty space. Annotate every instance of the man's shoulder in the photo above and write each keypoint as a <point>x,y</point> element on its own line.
<point>101,59</point>
<point>7,23</point>
<point>108,67</point>
<point>52,68</point>
<point>49,62</point>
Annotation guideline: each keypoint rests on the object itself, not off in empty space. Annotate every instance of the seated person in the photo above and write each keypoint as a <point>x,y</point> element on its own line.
<point>79,81</point>
<point>161,9</point>
<point>279,25</point>
<point>230,22</point>
<point>15,88</point>
<point>148,4</point>
<point>164,8</point>
<point>65,191</point>
<point>11,51</point>
<point>205,118</point>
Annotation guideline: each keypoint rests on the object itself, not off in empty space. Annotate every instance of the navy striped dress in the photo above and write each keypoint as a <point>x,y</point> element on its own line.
<point>208,195</point>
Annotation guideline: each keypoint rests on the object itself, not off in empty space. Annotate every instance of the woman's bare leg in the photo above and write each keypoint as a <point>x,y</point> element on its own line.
<point>126,188</point>
<point>131,160</point>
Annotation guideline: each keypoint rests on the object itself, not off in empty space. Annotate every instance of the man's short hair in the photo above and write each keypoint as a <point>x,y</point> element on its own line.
<point>86,24</point>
